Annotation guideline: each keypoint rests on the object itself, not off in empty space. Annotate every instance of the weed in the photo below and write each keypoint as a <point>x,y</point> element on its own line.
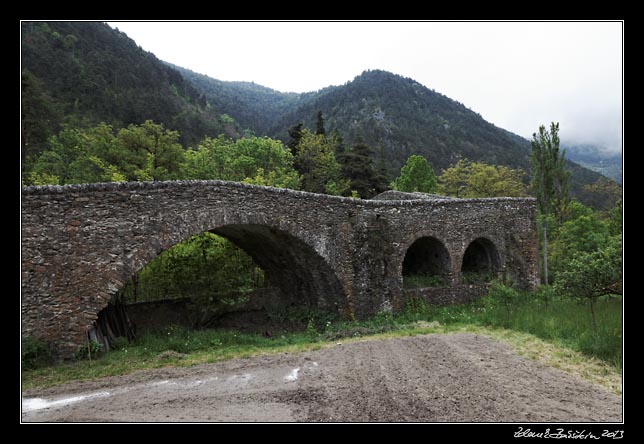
<point>88,350</point>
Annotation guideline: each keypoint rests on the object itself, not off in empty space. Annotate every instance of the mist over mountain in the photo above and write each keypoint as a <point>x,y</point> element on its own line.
<point>83,73</point>
<point>597,158</point>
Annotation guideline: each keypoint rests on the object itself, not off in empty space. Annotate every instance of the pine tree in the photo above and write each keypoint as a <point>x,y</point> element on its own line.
<point>319,125</point>
<point>359,169</point>
<point>295,134</point>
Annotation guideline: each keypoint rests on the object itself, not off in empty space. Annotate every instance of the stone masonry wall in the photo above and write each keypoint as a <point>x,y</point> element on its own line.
<point>80,243</point>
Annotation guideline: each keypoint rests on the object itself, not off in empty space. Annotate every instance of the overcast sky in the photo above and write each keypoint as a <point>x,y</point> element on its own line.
<point>516,75</point>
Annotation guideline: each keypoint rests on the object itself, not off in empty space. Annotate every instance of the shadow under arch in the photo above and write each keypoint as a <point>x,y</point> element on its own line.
<point>289,263</point>
<point>301,274</point>
<point>427,263</point>
<point>481,258</point>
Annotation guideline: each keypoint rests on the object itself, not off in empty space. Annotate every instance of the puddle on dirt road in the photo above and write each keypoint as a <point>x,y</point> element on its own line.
<point>31,404</point>
<point>293,375</point>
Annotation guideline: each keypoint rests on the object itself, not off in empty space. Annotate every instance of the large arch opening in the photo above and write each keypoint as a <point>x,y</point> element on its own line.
<point>426,264</point>
<point>481,261</point>
<point>266,280</point>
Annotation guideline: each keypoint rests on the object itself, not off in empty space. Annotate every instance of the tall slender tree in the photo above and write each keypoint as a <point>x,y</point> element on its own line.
<point>295,135</point>
<point>549,180</point>
<point>319,125</point>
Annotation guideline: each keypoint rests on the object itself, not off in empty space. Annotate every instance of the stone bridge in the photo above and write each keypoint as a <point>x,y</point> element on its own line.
<point>81,243</point>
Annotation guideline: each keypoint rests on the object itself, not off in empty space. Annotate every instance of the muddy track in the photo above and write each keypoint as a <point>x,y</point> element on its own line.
<point>434,378</point>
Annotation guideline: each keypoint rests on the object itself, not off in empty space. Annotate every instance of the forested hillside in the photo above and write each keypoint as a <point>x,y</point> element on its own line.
<point>76,75</point>
<point>253,106</point>
<point>399,117</point>
<point>597,159</point>
<point>79,74</point>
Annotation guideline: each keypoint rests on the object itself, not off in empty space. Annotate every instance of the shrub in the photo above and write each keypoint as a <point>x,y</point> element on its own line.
<point>84,351</point>
<point>35,353</point>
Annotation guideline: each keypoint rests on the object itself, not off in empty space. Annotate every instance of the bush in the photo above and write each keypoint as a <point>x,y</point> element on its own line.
<point>500,298</point>
<point>35,353</point>
<point>83,353</point>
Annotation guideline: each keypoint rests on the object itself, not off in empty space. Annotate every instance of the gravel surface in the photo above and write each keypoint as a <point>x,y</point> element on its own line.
<point>433,378</point>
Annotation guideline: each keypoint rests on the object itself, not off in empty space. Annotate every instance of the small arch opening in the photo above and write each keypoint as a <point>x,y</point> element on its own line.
<point>481,261</point>
<point>426,264</point>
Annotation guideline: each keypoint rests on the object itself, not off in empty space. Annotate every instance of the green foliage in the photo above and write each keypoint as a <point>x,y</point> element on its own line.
<point>549,176</point>
<point>584,230</point>
<point>83,73</point>
<point>77,74</point>
<point>502,295</point>
<point>615,219</point>
<point>150,152</point>
<point>207,268</point>
<point>477,277</point>
<point>549,182</point>
<point>41,116</point>
<point>416,175</point>
<point>424,281</point>
<point>89,350</point>
<point>319,125</point>
<point>256,160</point>
<point>316,162</point>
<point>35,353</point>
<point>476,179</point>
<point>138,152</point>
<point>358,169</point>
<point>603,192</point>
<point>589,275</point>
<point>563,322</point>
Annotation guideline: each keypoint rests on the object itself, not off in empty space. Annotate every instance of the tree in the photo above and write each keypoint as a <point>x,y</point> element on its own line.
<point>416,175</point>
<point>589,275</point>
<point>603,191</point>
<point>62,156</point>
<point>358,169</point>
<point>257,160</point>
<point>317,164</point>
<point>154,152</point>
<point>477,179</point>
<point>319,125</point>
<point>453,180</point>
<point>549,181</point>
<point>38,117</point>
<point>295,135</point>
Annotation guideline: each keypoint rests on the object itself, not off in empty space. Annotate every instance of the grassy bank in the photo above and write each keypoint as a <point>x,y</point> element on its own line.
<point>564,322</point>
<point>559,335</point>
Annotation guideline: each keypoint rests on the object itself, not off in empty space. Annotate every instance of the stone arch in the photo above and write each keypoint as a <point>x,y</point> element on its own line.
<point>481,257</point>
<point>292,260</point>
<point>427,257</point>
<point>289,263</point>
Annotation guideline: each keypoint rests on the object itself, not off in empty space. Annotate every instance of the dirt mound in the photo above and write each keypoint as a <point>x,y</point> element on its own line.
<point>434,378</point>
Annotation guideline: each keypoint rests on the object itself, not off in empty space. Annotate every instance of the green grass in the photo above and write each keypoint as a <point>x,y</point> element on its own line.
<point>564,322</point>
<point>560,334</point>
<point>424,281</point>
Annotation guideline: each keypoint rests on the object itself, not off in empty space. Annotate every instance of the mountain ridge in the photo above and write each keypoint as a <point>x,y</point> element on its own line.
<point>112,79</point>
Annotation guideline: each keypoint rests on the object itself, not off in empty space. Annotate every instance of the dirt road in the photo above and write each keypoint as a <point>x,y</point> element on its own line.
<point>437,378</point>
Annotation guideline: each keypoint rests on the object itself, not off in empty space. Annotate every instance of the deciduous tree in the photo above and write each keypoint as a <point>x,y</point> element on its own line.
<point>416,175</point>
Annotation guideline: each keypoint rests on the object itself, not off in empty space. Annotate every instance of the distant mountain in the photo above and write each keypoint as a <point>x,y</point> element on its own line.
<point>252,106</point>
<point>83,73</point>
<point>398,117</point>
<point>596,158</point>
